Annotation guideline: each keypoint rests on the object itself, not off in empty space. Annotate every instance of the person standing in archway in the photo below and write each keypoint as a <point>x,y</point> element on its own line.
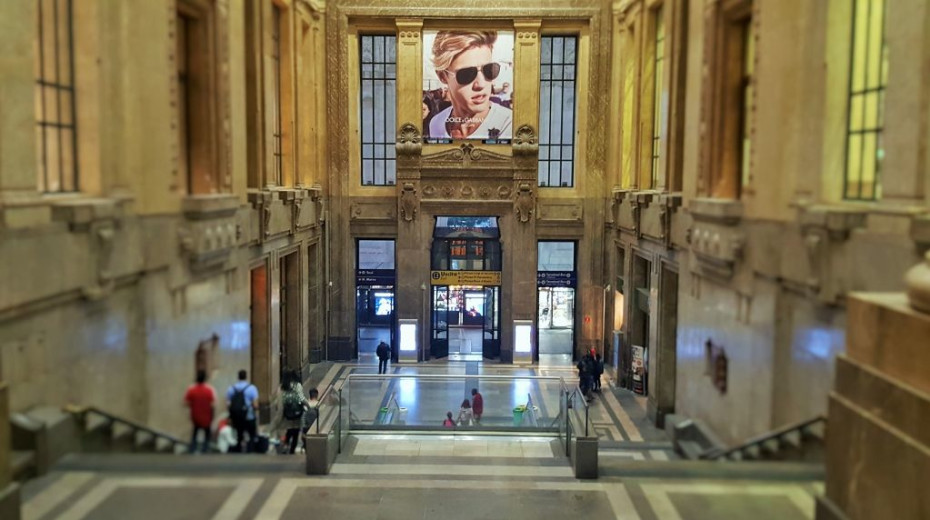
<point>384,354</point>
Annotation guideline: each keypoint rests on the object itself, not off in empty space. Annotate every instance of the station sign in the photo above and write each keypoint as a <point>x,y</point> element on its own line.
<point>556,278</point>
<point>465,277</point>
<point>374,277</point>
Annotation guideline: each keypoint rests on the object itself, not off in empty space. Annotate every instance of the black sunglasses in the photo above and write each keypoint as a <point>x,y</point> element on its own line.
<point>468,74</point>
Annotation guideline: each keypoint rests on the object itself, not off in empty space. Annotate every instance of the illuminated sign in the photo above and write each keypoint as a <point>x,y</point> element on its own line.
<point>465,277</point>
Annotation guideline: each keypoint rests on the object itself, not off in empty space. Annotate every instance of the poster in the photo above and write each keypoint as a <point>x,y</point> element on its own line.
<point>639,369</point>
<point>468,86</point>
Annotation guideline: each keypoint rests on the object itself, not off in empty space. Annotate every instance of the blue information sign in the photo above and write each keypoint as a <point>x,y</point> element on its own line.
<point>556,278</point>
<point>374,277</point>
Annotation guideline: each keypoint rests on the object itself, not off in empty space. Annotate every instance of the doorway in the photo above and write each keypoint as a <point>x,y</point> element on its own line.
<point>556,279</point>
<point>374,298</point>
<point>662,398</point>
<point>556,318</point>
<point>374,314</point>
<point>465,322</point>
<point>260,366</point>
<point>289,315</point>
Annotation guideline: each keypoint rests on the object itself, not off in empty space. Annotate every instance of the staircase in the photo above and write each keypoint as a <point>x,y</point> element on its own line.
<point>801,441</point>
<point>43,435</point>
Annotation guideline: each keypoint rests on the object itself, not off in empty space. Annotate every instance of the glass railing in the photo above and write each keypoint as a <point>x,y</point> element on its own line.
<point>516,404</point>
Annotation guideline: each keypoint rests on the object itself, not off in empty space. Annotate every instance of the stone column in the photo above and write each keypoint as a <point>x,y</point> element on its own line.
<point>520,258</point>
<point>878,443</point>
<point>412,228</point>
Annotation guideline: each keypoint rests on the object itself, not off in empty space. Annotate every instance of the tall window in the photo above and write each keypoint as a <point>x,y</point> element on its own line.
<point>277,148</point>
<point>557,111</point>
<point>55,100</point>
<point>659,54</point>
<point>196,161</point>
<point>378,106</point>
<point>868,75</point>
<point>729,96</point>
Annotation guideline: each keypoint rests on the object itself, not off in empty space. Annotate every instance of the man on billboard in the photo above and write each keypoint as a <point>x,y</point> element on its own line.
<point>463,63</point>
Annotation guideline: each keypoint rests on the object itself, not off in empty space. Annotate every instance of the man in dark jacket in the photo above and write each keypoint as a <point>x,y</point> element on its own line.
<point>384,354</point>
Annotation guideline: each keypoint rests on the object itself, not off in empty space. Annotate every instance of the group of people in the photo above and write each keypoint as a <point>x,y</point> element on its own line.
<point>590,368</point>
<point>238,431</point>
<point>469,413</point>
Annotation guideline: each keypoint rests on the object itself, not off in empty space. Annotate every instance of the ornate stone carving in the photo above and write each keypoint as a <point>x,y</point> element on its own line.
<point>525,139</point>
<point>429,191</point>
<point>524,204</point>
<point>527,37</point>
<point>266,219</point>
<point>409,205</point>
<point>316,196</point>
<point>717,240</point>
<point>484,192</point>
<point>447,191</point>
<point>468,192</point>
<point>409,141</point>
<point>824,230</point>
<point>467,154</point>
<point>101,235</point>
<point>504,192</point>
<point>210,231</point>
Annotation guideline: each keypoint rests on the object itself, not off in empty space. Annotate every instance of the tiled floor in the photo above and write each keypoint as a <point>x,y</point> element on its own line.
<point>448,476</point>
<point>399,491</point>
<point>454,446</point>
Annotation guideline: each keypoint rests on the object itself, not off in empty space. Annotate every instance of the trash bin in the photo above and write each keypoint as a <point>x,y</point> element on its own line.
<point>518,415</point>
<point>402,415</point>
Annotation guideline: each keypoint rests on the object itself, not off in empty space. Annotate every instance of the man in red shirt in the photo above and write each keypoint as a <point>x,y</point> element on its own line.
<point>200,398</point>
<point>477,404</point>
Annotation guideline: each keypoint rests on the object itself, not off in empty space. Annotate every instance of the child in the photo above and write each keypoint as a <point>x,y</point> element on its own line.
<point>448,423</point>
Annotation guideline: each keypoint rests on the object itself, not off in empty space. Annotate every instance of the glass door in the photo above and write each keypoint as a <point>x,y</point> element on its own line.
<point>439,336</point>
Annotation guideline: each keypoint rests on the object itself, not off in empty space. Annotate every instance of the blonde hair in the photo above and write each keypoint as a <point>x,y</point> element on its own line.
<point>449,44</point>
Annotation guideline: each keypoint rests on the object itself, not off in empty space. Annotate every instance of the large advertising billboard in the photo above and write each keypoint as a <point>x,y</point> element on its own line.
<point>468,86</point>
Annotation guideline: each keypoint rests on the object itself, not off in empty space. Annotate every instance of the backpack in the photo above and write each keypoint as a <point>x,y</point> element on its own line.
<point>293,406</point>
<point>238,406</point>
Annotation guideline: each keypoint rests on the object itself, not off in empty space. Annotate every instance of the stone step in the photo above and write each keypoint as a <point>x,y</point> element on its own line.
<point>688,469</point>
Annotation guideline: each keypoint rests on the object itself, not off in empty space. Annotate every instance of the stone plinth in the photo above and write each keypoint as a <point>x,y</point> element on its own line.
<point>878,441</point>
<point>885,333</point>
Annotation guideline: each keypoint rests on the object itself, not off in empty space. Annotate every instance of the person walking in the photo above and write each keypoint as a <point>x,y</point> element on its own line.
<point>449,422</point>
<point>586,375</point>
<point>200,398</point>
<point>242,400</point>
<point>293,408</point>
<point>465,414</point>
<point>598,372</point>
<point>477,405</point>
<point>384,354</point>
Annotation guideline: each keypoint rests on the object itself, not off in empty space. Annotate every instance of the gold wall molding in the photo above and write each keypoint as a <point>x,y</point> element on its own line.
<point>465,156</point>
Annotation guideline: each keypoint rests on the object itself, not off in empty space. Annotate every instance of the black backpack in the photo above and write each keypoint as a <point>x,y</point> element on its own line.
<point>238,406</point>
<point>293,407</point>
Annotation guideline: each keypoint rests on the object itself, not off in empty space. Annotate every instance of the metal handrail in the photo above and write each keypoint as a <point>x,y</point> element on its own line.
<point>576,390</point>
<point>133,425</point>
<point>449,376</point>
<point>321,400</point>
<point>773,435</point>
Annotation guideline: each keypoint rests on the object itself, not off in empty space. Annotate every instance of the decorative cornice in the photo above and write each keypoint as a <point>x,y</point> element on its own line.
<point>467,154</point>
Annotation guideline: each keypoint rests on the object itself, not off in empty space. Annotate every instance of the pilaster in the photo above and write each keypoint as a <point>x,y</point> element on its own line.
<point>526,71</point>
